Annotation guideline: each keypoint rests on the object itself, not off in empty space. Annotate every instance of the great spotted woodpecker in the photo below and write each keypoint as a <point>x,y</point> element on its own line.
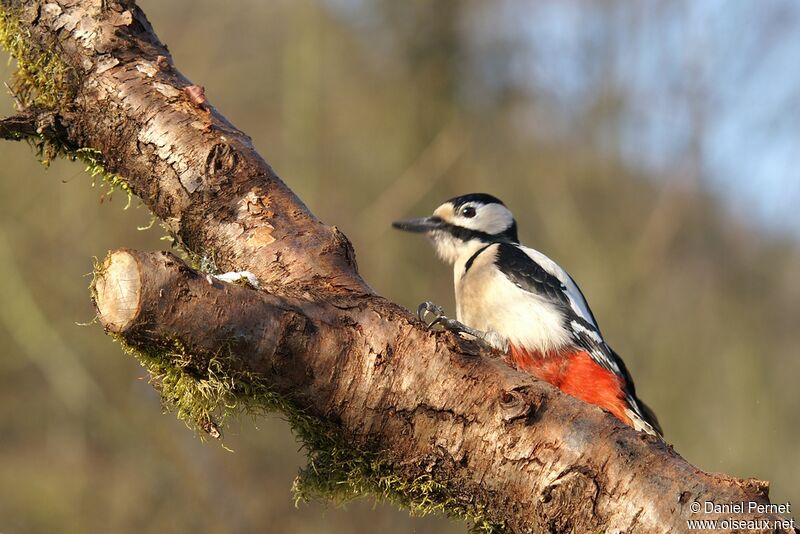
<point>524,304</point>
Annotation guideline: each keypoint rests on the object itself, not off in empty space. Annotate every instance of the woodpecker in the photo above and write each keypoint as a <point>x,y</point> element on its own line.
<point>524,304</point>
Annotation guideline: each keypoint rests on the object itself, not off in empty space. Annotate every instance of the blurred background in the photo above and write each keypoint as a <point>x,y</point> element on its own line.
<point>652,148</point>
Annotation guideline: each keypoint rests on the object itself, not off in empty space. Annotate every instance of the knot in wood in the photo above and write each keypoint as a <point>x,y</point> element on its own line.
<point>514,405</point>
<point>222,160</point>
<point>575,490</point>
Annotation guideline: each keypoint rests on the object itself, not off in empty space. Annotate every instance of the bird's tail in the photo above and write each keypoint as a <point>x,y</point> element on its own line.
<point>642,418</point>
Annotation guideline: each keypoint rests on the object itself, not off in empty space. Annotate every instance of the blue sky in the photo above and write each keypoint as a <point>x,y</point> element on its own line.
<point>710,85</point>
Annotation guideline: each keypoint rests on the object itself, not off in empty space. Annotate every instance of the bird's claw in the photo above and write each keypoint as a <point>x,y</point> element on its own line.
<point>435,310</point>
<point>489,339</point>
<point>441,319</point>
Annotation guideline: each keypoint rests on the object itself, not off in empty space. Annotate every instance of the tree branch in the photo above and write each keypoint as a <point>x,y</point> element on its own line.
<point>18,127</point>
<point>32,124</point>
<point>431,421</point>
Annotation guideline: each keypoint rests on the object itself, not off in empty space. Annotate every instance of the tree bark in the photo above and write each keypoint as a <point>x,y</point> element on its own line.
<point>498,443</point>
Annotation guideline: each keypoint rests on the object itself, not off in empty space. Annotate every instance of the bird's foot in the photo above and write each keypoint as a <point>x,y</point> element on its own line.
<point>440,318</point>
<point>491,339</point>
<point>429,307</point>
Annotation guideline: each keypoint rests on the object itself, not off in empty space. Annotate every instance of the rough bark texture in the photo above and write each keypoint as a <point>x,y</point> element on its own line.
<point>424,403</point>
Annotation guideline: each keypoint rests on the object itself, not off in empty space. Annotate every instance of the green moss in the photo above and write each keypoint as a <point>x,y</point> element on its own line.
<point>95,166</point>
<point>206,395</point>
<point>202,397</point>
<point>49,149</point>
<point>339,473</point>
<point>41,79</point>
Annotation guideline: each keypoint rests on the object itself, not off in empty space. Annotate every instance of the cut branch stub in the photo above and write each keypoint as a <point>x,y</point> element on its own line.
<point>154,299</point>
<point>117,288</point>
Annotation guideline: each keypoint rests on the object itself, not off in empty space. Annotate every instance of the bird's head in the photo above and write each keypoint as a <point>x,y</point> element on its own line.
<point>464,224</point>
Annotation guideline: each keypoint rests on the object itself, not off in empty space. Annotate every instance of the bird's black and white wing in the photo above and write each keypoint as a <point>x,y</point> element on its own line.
<point>534,272</point>
<point>531,270</point>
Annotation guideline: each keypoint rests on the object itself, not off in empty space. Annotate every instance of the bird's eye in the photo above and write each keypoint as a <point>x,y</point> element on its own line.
<point>468,212</point>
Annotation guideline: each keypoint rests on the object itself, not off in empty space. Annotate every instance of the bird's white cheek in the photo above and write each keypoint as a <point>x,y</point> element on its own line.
<point>447,247</point>
<point>491,219</point>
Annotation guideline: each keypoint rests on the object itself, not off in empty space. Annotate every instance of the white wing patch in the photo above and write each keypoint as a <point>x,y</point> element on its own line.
<point>592,333</point>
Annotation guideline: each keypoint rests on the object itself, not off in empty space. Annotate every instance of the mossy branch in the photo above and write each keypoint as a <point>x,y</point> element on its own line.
<point>44,87</point>
<point>205,389</point>
<point>383,406</point>
<point>205,397</point>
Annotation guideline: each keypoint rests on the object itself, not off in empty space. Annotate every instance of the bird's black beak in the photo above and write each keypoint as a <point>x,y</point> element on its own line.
<point>419,226</point>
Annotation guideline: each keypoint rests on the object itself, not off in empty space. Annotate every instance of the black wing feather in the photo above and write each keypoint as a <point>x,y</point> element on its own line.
<point>529,275</point>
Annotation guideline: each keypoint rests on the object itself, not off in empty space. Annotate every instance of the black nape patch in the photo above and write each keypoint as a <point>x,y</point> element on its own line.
<point>511,233</point>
